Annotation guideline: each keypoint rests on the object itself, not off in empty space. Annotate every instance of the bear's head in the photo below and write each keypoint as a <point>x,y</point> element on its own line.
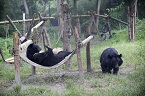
<point>36,48</point>
<point>115,60</point>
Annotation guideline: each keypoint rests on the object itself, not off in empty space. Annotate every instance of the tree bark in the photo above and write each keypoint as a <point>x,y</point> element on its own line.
<point>59,13</point>
<point>16,57</point>
<point>26,8</point>
<point>26,12</point>
<point>132,9</point>
<point>77,20</point>
<point>98,3</point>
<point>66,31</point>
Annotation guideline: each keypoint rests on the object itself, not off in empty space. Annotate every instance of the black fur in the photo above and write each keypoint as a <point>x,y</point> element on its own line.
<point>46,58</point>
<point>110,60</point>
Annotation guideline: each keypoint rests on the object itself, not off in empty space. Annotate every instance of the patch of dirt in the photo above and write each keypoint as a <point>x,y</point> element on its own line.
<point>55,81</point>
<point>57,87</point>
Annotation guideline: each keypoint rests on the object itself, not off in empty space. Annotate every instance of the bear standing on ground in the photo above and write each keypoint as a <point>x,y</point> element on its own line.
<point>110,60</point>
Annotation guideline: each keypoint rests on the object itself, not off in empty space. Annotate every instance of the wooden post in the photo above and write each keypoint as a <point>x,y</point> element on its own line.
<point>77,39</point>
<point>88,51</point>
<point>13,25</point>
<point>66,32</point>
<point>2,55</point>
<point>77,20</point>
<point>93,25</point>
<point>16,57</point>
<point>98,3</point>
<point>30,27</point>
<point>47,37</point>
<point>35,40</point>
<point>43,40</point>
<point>23,29</point>
<point>109,28</point>
<point>132,9</point>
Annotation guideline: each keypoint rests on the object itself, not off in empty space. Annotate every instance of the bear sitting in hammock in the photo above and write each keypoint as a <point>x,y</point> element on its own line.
<point>47,58</point>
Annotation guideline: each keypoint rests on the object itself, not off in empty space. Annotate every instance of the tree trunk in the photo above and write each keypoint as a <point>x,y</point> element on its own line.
<point>59,13</point>
<point>98,3</point>
<point>26,12</point>
<point>16,57</point>
<point>77,20</point>
<point>66,31</point>
<point>132,9</point>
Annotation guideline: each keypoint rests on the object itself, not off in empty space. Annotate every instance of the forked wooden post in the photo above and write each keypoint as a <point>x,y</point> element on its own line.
<point>16,57</point>
<point>77,39</point>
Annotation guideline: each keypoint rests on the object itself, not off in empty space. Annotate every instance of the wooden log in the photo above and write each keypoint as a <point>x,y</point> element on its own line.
<point>77,16</point>
<point>10,60</point>
<point>77,39</point>
<point>13,25</point>
<point>35,40</point>
<point>66,32</point>
<point>2,55</point>
<point>26,20</point>
<point>36,26</point>
<point>119,20</point>
<point>84,42</point>
<point>47,38</point>
<point>16,57</point>
<point>30,27</point>
<point>23,29</point>
<point>89,69</point>
<point>109,27</point>
<point>43,39</point>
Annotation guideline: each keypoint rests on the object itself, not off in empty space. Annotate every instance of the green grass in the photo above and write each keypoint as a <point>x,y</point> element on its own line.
<point>130,80</point>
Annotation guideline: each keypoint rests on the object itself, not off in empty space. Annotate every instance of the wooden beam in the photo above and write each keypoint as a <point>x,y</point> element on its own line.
<point>77,39</point>
<point>30,27</point>
<point>13,25</point>
<point>89,69</point>
<point>16,57</point>
<point>77,16</point>
<point>36,26</point>
<point>84,42</point>
<point>26,20</point>
<point>2,55</point>
<point>119,20</point>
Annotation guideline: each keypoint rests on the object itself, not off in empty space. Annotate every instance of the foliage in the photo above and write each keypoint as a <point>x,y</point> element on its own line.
<point>141,9</point>
<point>118,12</point>
<point>140,34</point>
<point>2,3</point>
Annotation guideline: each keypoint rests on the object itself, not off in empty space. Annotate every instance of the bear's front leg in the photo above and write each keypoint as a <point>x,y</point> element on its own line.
<point>105,69</point>
<point>115,70</point>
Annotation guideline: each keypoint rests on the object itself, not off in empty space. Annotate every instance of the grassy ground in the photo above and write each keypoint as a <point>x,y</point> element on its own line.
<point>130,80</point>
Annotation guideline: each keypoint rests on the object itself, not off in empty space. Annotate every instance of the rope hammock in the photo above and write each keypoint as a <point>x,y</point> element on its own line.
<point>22,52</point>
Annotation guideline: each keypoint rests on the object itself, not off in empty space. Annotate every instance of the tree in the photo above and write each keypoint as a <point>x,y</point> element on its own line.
<point>132,9</point>
<point>77,20</point>
<point>98,3</point>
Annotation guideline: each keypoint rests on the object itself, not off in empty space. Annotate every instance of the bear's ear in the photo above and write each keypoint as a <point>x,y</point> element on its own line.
<point>48,48</point>
<point>120,55</point>
<point>109,56</point>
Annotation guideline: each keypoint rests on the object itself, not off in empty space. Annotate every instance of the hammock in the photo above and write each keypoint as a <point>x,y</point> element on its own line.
<point>23,50</point>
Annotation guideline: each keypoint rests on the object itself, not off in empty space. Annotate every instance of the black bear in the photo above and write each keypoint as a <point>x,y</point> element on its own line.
<point>46,58</point>
<point>110,60</point>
